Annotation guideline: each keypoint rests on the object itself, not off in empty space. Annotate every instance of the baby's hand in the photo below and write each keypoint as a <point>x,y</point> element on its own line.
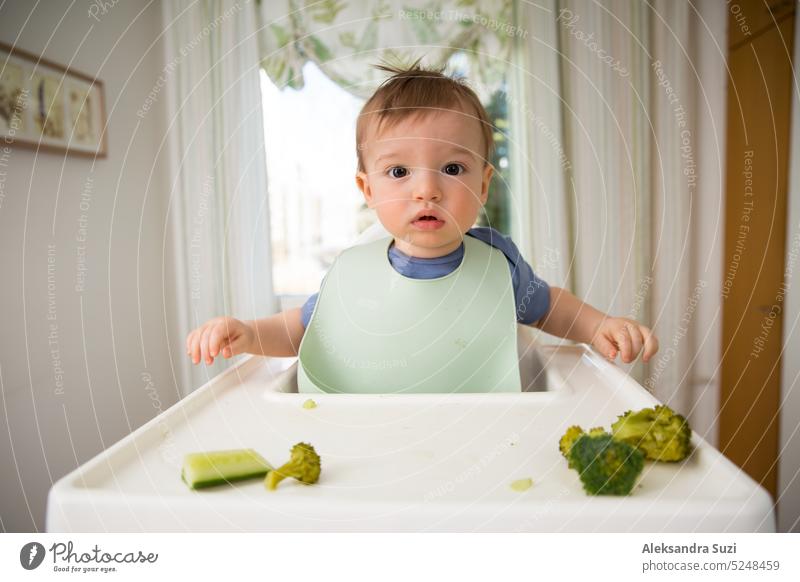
<point>225,334</point>
<point>618,335</point>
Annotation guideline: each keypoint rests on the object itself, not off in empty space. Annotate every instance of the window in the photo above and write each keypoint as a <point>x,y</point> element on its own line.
<point>497,212</point>
<point>316,209</point>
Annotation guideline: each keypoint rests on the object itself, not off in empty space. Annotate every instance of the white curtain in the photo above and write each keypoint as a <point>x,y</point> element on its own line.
<point>218,209</point>
<point>619,105</point>
<point>345,38</point>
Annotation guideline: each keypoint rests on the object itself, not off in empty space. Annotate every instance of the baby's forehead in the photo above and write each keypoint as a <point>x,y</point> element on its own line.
<point>438,126</point>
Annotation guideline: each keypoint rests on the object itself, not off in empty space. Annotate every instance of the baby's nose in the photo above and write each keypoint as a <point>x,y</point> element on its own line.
<point>426,186</point>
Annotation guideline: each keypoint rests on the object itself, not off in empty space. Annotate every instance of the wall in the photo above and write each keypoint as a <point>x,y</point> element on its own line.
<point>111,337</point>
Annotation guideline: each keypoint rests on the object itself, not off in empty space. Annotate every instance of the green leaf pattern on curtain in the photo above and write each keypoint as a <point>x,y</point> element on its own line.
<point>345,38</point>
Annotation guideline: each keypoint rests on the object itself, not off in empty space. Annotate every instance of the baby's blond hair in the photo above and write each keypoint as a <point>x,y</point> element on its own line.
<point>414,90</point>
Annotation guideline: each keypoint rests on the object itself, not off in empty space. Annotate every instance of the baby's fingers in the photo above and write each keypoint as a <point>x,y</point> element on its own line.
<point>636,340</point>
<point>232,348</point>
<point>623,338</point>
<point>204,339</point>
<point>189,337</point>
<point>215,337</point>
<point>219,338</point>
<point>650,343</point>
<point>194,345</point>
<point>605,346</point>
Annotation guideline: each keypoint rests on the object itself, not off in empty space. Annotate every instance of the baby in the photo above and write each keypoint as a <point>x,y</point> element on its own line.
<point>434,307</point>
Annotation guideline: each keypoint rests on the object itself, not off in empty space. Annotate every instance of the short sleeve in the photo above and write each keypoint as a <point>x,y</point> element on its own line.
<point>308,309</point>
<point>531,294</point>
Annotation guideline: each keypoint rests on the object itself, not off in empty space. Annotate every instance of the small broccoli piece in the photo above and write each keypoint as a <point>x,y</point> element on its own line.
<point>522,484</point>
<point>606,466</point>
<point>304,465</point>
<point>660,433</point>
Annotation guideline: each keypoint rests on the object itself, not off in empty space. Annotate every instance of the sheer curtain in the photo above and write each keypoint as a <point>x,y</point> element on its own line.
<point>345,38</point>
<point>218,211</point>
<point>618,105</point>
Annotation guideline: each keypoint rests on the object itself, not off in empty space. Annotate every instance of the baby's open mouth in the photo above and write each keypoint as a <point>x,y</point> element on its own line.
<point>427,222</point>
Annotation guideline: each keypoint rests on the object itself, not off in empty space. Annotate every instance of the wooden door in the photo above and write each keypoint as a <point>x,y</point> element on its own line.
<point>757,154</point>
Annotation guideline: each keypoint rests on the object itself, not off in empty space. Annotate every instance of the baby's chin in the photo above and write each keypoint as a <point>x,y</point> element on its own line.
<point>428,245</point>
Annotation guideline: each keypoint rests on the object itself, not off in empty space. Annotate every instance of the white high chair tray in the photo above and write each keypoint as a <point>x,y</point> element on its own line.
<point>415,462</point>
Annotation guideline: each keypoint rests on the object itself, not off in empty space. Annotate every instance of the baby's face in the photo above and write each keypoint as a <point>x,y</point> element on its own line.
<point>427,180</point>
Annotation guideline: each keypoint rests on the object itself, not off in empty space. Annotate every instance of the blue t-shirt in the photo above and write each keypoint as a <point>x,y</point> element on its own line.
<point>532,294</point>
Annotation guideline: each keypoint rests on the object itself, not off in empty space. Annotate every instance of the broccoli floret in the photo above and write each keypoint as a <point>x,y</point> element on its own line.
<point>606,466</point>
<point>660,433</point>
<point>304,465</point>
<point>565,444</point>
<point>597,431</point>
<point>574,433</point>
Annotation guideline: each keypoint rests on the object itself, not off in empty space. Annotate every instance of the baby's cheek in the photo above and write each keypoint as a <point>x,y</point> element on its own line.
<point>391,213</point>
<point>391,205</point>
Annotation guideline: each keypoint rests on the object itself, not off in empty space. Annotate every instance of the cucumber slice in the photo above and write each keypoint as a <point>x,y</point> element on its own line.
<point>218,467</point>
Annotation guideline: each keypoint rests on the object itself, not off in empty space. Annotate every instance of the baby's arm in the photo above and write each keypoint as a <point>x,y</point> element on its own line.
<point>571,318</point>
<point>278,335</point>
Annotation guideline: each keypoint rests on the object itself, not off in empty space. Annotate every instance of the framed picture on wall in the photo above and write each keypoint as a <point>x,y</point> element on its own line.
<point>49,107</point>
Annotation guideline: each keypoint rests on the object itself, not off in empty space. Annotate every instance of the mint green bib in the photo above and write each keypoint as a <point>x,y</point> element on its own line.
<point>375,331</point>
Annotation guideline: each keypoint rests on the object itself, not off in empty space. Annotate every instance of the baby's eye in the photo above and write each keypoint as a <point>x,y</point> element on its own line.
<point>398,172</point>
<point>453,169</point>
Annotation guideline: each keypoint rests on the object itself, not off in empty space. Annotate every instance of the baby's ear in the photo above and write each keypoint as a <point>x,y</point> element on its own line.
<point>488,172</point>
<point>362,181</point>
